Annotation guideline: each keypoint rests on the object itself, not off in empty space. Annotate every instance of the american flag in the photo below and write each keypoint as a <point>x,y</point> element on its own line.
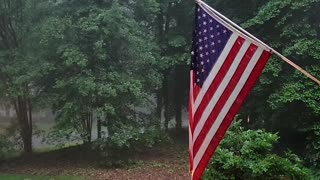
<point>226,63</point>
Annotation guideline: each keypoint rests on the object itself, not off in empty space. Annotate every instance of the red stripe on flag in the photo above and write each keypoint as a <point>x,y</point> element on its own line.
<point>217,80</point>
<point>231,114</point>
<point>224,97</point>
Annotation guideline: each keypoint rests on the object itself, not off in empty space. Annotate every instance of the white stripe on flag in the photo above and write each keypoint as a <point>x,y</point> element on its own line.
<point>227,107</point>
<point>215,98</point>
<point>215,70</point>
<point>190,120</point>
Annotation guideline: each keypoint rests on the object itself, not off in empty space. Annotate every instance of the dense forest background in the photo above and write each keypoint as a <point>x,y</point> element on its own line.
<point>107,61</point>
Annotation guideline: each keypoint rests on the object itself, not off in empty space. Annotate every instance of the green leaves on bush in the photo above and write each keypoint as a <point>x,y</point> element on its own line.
<point>120,148</point>
<point>248,155</point>
<point>5,147</point>
<point>313,148</point>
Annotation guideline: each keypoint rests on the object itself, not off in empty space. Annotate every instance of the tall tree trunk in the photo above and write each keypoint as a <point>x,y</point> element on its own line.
<point>160,92</point>
<point>87,127</point>
<point>165,87</point>
<point>159,107</point>
<point>11,42</point>
<point>99,124</point>
<point>163,95</point>
<point>178,94</point>
<point>23,109</point>
<point>178,109</point>
<point>109,127</point>
<point>27,143</point>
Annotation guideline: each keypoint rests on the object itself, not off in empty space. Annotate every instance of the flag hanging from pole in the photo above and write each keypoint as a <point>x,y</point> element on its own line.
<point>226,63</point>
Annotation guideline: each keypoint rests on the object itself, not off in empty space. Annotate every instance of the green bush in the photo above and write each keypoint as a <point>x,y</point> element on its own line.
<point>248,155</point>
<point>119,148</point>
<point>313,148</point>
<point>5,147</point>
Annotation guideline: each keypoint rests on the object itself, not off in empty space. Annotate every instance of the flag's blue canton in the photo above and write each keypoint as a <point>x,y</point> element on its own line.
<point>209,39</point>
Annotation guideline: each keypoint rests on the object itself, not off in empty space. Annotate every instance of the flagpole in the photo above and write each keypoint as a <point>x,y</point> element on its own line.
<point>238,28</point>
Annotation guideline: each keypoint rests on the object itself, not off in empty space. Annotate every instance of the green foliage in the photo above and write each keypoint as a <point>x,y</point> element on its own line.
<point>5,147</point>
<point>293,100</point>
<point>292,22</point>
<point>98,63</point>
<point>63,134</point>
<point>20,65</point>
<point>248,155</point>
<point>120,148</point>
<point>313,148</point>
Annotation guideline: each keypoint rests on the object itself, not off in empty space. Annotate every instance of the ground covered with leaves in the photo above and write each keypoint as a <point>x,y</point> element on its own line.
<point>166,162</point>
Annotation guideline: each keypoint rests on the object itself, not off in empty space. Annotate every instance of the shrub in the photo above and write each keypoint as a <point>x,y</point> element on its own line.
<point>313,148</point>
<point>5,147</point>
<point>120,148</point>
<point>248,155</point>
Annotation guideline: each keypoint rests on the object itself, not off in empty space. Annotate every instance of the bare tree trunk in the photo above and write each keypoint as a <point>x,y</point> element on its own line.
<point>23,109</point>
<point>159,108</point>
<point>178,109</point>
<point>89,126</point>
<point>99,124</point>
<point>178,95</point>
<point>166,102</point>
<point>160,92</point>
<point>10,41</point>
<point>166,119</point>
<point>109,126</point>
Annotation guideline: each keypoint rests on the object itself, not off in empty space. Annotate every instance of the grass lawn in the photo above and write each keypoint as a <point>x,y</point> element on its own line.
<point>17,177</point>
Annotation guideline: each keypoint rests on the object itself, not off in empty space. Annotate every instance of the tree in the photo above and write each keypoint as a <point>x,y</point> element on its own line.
<point>174,38</point>
<point>19,64</point>
<point>102,55</point>
<point>296,24</point>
